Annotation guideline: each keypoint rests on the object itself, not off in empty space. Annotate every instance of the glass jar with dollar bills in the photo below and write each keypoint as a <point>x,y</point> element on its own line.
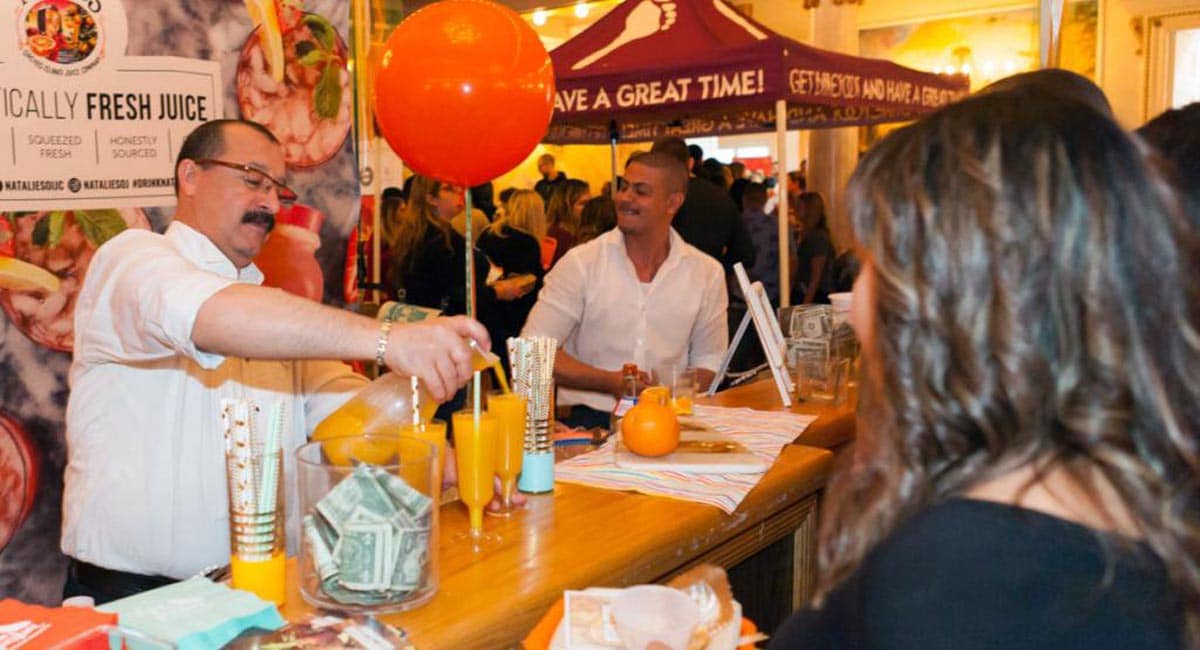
<point>370,523</point>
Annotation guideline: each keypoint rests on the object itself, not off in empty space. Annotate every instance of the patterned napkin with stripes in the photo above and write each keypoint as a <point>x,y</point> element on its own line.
<point>764,433</point>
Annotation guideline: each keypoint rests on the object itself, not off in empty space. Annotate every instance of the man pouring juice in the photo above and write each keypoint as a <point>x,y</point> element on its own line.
<point>167,325</point>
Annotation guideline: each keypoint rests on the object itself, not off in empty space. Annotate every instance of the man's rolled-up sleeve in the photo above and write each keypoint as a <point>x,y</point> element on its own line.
<point>153,297</point>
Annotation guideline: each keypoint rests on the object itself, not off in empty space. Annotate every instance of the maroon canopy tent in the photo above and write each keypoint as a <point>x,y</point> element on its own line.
<point>698,67</point>
<point>653,68</point>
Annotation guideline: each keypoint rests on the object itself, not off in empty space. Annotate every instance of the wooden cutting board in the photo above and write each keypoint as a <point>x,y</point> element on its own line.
<point>702,450</point>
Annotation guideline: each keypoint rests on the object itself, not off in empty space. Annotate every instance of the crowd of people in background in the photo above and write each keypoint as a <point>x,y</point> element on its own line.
<point>729,213</point>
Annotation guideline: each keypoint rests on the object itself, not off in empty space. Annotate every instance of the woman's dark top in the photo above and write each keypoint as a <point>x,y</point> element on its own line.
<point>517,253</point>
<point>816,243</point>
<point>565,240</point>
<point>970,574</point>
<point>435,275</point>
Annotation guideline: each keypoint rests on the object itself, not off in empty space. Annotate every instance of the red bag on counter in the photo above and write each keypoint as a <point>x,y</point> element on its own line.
<point>33,626</point>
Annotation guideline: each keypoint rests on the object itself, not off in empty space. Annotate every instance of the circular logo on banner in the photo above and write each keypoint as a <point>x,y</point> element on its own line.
<point>62,36</point>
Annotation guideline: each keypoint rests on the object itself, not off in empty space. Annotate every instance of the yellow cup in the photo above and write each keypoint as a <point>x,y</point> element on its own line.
<point>263,578</point>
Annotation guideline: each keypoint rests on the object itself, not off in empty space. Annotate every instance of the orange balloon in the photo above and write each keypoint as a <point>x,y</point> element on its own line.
<point>464,91</point>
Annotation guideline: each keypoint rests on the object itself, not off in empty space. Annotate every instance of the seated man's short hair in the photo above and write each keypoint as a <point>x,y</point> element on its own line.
<point>677,176</point>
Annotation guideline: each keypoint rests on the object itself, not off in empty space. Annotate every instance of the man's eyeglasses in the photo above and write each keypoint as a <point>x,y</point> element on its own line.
<point>256,179</point>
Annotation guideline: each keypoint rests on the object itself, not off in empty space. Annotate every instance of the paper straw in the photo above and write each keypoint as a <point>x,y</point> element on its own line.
<point>416,401</point>
<point>235,415</point>
<point>478,401</point>
<point>270,462</point>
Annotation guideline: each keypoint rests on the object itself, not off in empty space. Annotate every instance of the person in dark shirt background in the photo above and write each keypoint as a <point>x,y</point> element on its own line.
<point>551,177</point>
<point>708,219</point>
<point>813,279</point>
<point>764,232</point>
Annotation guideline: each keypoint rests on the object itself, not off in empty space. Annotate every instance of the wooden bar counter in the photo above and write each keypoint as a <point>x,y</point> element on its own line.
<point>581,536</point>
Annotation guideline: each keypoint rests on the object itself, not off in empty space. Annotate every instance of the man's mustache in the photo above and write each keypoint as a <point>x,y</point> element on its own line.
<point>260,217</point>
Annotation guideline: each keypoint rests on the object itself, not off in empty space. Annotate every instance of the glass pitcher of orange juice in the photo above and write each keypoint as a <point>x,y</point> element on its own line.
<point>394,400</point>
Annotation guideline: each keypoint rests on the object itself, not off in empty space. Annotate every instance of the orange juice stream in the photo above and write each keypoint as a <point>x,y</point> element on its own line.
<point>264,578</point>
<point>481,361</point>
<point>475,448</point>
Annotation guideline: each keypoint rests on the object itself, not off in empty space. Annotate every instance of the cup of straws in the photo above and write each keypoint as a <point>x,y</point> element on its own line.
<point>532,359</point>
<point>254,469</point>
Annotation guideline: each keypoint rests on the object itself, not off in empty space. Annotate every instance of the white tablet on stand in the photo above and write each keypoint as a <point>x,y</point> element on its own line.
<point>759,311</point>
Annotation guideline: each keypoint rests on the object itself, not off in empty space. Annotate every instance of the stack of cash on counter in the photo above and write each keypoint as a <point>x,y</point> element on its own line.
<point>818,333</point>
<point>369,538</point>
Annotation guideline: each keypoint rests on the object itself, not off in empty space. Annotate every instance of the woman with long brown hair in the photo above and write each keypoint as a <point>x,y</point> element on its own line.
<point>1026,471</point>
<point>563,212</point>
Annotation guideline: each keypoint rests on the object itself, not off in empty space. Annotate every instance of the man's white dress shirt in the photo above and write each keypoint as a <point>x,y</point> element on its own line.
<point>145,487</point>
<point>604,316</point>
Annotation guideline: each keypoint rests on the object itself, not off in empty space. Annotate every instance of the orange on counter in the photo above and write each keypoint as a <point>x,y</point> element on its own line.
<point>650,428</point>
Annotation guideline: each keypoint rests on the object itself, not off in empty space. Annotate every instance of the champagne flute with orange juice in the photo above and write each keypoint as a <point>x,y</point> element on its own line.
<point>475,454</point>
<point>509,411</point>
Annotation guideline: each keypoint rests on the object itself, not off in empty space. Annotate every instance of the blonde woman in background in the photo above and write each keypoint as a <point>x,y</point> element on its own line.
<point>512,245</point>
<point>427,257</point>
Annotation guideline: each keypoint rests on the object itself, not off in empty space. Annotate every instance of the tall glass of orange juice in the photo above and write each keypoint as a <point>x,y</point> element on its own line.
<point>475,453</point>
<point>509,411</point>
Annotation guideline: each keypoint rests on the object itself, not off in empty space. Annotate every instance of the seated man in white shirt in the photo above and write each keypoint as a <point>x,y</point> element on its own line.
<point>168,325</point>
<point>637,294</point>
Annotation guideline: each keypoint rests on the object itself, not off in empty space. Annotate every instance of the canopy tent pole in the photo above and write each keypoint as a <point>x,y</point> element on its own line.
<point>785,276</point>
<point>612,140</point>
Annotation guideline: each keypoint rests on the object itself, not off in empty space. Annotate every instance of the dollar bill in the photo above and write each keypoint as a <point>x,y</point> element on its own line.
<point>811,321</point>
<point>358,489</point>
<point>361,555</point>
<point>320,548</point>
<point>414,502</point>
<point>412,555</point>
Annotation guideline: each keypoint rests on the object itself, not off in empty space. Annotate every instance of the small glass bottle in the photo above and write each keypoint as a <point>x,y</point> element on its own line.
<point>629,394</point>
